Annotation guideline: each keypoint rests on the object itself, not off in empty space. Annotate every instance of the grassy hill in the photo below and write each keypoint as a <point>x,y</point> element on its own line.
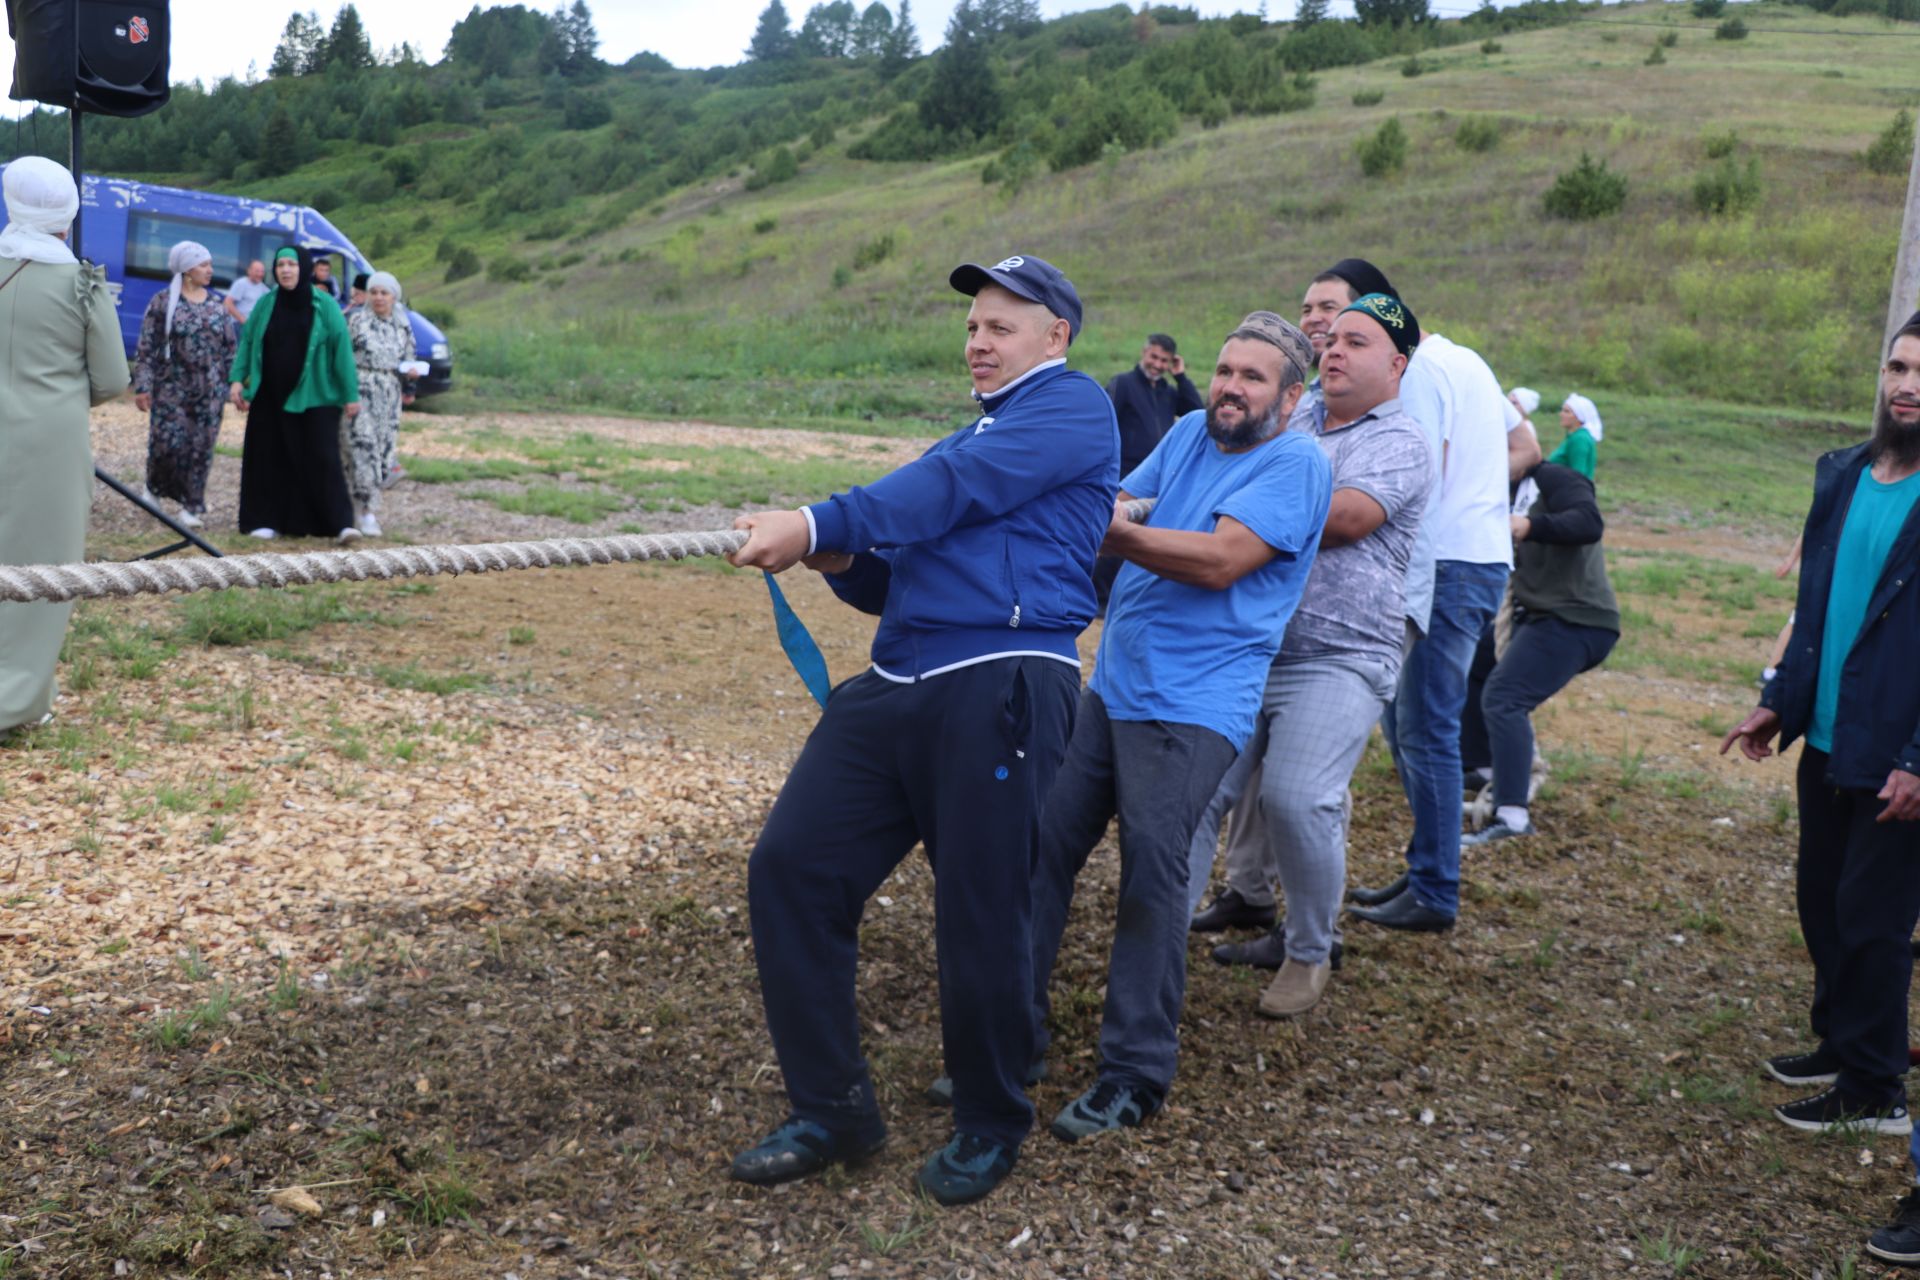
<point>823,300</point>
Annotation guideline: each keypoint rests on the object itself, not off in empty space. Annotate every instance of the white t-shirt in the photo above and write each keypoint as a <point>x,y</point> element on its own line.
<point>245,293</point>
<point>1449,390</point>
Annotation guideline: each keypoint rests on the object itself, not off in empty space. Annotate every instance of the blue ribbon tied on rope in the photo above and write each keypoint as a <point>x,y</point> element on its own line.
<point>801,649</point>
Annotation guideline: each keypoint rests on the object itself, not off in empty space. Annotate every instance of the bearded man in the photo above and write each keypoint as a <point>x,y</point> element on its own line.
<point>1850,686</point>
<point>1212,577</point>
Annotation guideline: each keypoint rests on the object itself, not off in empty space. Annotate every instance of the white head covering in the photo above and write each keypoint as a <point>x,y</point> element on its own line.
<point>384,280</point>
<point>181,259</point>
<point>1588,415</point>
<point>1527,398</point>
<point>41,200</point>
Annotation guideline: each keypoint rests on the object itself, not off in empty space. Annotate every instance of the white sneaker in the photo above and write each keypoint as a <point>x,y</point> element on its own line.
<point>264,534</point>
<point>349,534</point>
<point>369,525</point>
<point>146,496</point>
<point>188,519</point>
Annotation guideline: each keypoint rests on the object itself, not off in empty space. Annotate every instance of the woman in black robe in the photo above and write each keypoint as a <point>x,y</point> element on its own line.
<point>292,376</point>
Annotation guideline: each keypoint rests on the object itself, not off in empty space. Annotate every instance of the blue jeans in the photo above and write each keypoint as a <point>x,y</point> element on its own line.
<point>1423,724</point>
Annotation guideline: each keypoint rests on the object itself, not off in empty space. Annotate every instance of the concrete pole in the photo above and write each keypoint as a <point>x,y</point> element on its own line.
<point>1906,263</point>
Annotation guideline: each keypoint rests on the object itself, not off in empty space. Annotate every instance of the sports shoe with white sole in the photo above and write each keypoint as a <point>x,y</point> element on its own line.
<point>1829,1110</point>
<point>263,533</point>
<point>1816,1068</point>
<point>1899,1241</point>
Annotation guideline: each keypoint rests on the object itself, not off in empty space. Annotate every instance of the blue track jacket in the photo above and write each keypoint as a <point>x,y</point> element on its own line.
<point>984,546</point>
<point>1878,727</point>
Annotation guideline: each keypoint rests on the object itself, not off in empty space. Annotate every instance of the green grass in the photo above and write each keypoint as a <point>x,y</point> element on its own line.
<point>412,676</point>
<point>250,617</point>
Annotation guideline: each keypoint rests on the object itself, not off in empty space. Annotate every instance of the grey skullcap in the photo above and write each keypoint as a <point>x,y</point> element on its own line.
<point>1265,326</point>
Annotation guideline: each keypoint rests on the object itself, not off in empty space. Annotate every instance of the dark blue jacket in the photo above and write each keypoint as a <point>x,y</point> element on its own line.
<point>985,544</point>
<point>1145,409</point>
<point>1877,727</point>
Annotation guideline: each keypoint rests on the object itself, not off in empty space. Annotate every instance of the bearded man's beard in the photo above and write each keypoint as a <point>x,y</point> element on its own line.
<point>1253,428</point>
<point>1893,439</point>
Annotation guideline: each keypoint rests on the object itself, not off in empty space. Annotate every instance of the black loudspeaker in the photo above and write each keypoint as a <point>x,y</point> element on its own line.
<point>108,57</point>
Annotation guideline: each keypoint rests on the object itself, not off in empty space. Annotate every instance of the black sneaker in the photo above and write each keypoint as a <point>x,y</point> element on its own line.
<point>964,1170</point>
<point>801,1147</point>
<point>1831,1110</point>
<point>1818,1067</point>
<point>1105,1106</point>
<point>1899,1240</point>
<point>1229,910</point>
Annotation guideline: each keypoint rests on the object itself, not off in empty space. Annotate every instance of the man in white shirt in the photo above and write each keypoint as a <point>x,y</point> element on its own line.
<point>246,291</point>
<point>1454,586</point>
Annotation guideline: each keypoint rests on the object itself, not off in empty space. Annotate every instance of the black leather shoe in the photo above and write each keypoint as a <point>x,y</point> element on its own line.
<point>1375,897</point>
<point>1229,910</point>
<point>1406,913</point>
<point>1267,951</point>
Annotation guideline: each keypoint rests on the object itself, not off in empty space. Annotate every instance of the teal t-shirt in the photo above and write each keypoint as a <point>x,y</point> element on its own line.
<point>1873,524</point>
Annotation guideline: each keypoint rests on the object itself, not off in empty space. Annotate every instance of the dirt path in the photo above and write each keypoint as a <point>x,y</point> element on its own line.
<point>438,908</point>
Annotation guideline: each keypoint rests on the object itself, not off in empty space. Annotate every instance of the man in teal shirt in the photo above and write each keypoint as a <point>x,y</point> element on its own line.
<point>1850,684</point>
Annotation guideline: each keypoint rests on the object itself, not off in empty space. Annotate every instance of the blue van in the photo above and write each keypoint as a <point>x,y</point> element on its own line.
<point>129,227</point>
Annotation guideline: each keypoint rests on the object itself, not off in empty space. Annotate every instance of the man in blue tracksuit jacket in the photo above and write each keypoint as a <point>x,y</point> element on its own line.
<point>978,557</point>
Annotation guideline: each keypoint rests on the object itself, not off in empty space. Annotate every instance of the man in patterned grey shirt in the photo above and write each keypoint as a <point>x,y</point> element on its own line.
<point>1337,667</point>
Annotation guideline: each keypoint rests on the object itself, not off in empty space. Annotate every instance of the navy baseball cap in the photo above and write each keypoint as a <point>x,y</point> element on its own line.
<point>1034,279</point>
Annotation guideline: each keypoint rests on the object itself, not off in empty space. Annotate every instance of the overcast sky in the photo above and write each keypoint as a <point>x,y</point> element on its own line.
<point>215,38</point>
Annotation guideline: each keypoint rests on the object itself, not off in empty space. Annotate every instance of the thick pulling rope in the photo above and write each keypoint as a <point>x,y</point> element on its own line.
<point>31,583</point>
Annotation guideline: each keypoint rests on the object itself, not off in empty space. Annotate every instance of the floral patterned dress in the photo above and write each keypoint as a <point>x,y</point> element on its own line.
<point>187,378</point>
<point>373,436</point>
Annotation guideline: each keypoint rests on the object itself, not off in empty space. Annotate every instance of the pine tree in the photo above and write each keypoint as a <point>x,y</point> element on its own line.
<point>773,37</point>
<point>870,35</point>
<point>964,94</point>
<point>903,43</point>
<point>347,43</point>
<point>1309,12</point>
<point>301,50</point>
<point>280,144</point>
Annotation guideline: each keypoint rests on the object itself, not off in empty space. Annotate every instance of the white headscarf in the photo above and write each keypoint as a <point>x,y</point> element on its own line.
<point>384,280</point>
<point>181,259</point>
<point>1526,398</point>
<point>41,200</point>
<point>1588,415</point>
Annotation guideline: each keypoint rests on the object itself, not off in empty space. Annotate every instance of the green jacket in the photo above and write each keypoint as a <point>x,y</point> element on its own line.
<point>1577,451</point>
<point>328,377</point>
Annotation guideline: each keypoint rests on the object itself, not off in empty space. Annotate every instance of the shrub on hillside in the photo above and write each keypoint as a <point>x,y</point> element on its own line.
<point>1369,97</point>
<point>1477,133</point>
<point>504,270</point>
<point>1890,152</point>
<point>1719,146</point>
<point>1708,8</point>
<point>1214,112</point>
<point>1670,39</point>
<point>1588,190</point>
<point>781,166</point>
<point>1385,152</point>
<point>1489,47</point>
<point>761,226</point>
<point>465,262</point>
<point>1088,119</point>
<point>1413,66</point>
<point>873,252</point>
<point>438,312</point>
<point>1733,28</point>
<point>1727,186</point>
<point>371,186</point>
<point>1657,58</point>
<point>1328,44</point>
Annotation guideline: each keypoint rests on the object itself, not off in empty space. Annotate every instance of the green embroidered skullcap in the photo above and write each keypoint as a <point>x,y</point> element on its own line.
<point>1392,315</point>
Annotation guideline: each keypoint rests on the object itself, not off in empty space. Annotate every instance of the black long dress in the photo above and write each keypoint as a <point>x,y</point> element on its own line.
<point>291,477</point>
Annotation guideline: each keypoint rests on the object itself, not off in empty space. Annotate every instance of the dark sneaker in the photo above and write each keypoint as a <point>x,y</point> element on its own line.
<point>964,1170</point>
<point>1834,1110</point>
<point>800,1147</point>
<point>1229,910</point>
<point>1105,1106</point>
<point>1899,1240</point>
<point>1818,1067</point>
<point>1268,951</point>
<point>940,1092</point>
<point>1492,832</point>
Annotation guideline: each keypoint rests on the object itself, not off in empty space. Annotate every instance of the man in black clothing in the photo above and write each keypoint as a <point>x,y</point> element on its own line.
<point>1146,405</point>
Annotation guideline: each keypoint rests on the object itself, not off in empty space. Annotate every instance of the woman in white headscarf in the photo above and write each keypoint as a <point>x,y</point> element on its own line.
<point>1581,421</point>
<point>180,379</point>
<point>382,342</point>
<point>60,352</point>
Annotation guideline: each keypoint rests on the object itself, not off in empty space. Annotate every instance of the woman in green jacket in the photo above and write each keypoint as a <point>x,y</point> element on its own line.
<point>1581,421</point>
<point>292,377</point>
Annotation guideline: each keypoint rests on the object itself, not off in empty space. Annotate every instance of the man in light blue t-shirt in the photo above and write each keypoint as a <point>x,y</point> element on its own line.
<point>1212,576</point>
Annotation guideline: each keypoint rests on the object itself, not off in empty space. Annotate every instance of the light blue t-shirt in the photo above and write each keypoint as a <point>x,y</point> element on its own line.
<point>1873,525</point>
<point>1188,655</point>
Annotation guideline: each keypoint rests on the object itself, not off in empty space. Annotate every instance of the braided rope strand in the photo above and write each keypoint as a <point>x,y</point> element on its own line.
<point>60,583</point>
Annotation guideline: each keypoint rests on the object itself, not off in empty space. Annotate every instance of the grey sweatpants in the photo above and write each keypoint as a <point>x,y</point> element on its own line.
<point>1288,792</point>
